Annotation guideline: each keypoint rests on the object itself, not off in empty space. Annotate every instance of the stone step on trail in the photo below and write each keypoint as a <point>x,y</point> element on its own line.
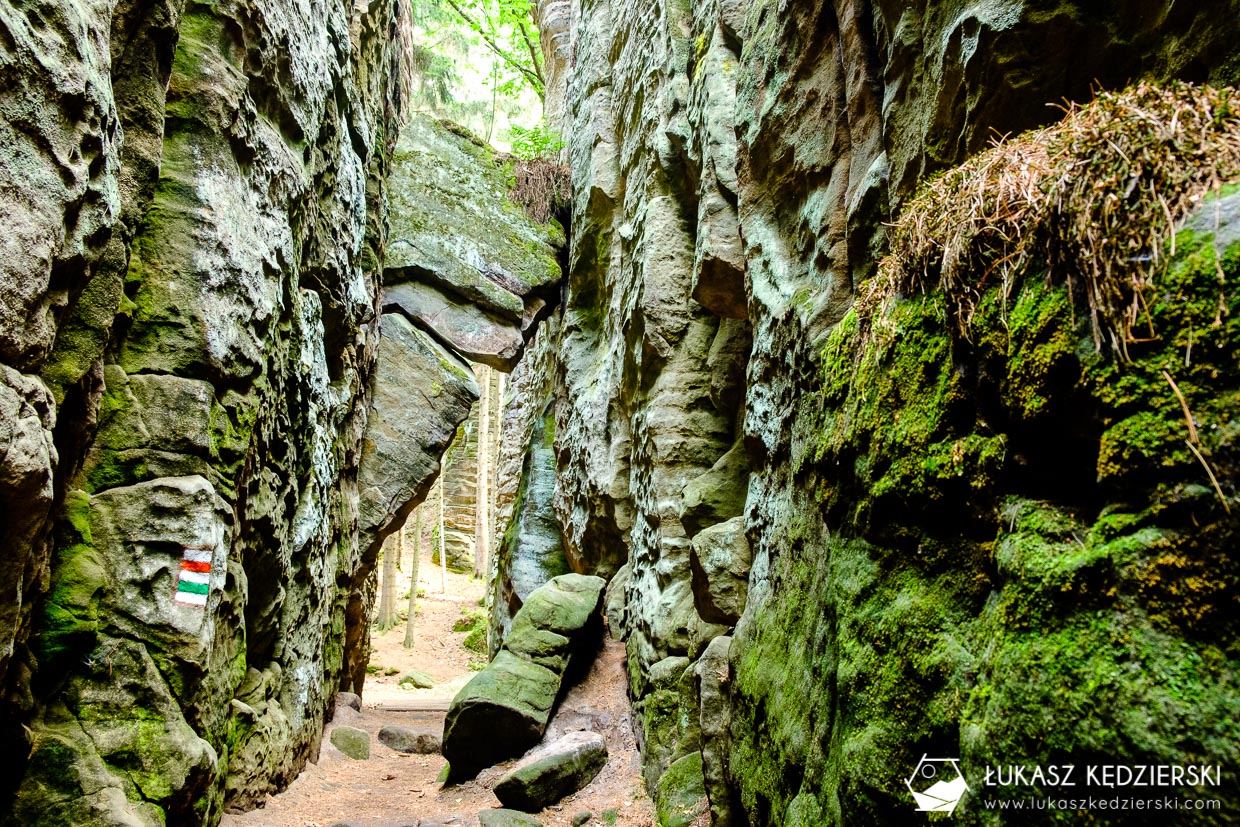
<point>552,771</point>
<point>507,818</point>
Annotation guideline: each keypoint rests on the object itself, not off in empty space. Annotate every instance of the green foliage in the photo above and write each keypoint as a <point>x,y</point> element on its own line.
<point>473,621</point>
<point>536,142</point>
<point>507,28</point>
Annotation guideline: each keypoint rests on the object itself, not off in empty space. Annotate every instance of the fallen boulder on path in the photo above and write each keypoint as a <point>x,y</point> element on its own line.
<point>550,772</point>
<point>504,709</point>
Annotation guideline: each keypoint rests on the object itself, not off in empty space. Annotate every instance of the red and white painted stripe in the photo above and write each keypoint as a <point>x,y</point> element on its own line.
<point>193,584</point>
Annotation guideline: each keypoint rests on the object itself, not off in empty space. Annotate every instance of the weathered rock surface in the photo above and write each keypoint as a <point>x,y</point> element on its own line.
<point>551,771</point>
<point>463,260</point>
<point>403,739</point>
<point>198,454</point>
<point>713,672</point>
<point>504,709</point>
<point>531,551</point>
<point>718,494</point>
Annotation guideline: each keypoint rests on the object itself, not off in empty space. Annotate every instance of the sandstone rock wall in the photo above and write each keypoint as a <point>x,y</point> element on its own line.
<point>189,306</point>
<point>734,166</point>
<point>199,456</point>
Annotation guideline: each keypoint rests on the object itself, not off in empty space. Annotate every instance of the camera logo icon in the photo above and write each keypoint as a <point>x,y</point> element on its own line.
<point>937,784</point>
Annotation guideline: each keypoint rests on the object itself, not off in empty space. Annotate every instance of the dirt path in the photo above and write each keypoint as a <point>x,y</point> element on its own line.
<point>393,789</point>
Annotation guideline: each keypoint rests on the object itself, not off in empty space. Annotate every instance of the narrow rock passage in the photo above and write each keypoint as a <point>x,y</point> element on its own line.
<point>393,789</point>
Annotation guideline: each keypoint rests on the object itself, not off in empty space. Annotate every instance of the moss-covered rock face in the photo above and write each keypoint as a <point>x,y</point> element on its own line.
<point>1018,555</point>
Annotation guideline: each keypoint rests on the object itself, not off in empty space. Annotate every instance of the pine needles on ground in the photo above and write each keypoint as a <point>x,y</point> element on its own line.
<point>1094,199</point>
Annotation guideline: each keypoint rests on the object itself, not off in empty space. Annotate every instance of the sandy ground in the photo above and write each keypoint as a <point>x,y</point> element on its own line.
<point>394,790</point>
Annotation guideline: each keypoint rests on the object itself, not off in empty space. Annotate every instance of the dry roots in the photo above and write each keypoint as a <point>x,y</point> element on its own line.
<point>541,186</point>
<point>1093,199</point>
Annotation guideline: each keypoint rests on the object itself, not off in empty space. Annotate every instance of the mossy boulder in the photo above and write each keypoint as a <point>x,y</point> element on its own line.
<point>352,741</point>
<point>417,679</point>
<point>507,818</point>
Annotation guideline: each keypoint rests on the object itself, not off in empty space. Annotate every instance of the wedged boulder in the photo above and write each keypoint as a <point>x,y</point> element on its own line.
<point>421,392</point>
<point>472,331</point>
<point>453,226</point>
<point>552,771</point>
<point>407,740</point>
<point>504,709</point>
<point>720,564</point>
<point>717,495</point>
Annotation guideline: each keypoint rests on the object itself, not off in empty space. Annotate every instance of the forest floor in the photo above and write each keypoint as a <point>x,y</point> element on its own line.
<point>393,789</point>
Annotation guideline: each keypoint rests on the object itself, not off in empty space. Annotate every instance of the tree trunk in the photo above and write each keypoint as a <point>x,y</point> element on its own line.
<point>414,556</point>
<point>443,550</point>
<point>387,587</point>
<point>493,455</point>
<point>482,510</point>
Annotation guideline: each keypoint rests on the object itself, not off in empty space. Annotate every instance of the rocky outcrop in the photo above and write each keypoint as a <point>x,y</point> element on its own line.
<point>531,551</point>
<point>504,709</point>
<point>464,261</point>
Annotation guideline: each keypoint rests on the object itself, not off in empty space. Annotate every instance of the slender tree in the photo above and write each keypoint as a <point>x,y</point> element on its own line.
<point>482,509</point>
<point>387,586</point>
<point>414,555</point>
<point>443,550</point>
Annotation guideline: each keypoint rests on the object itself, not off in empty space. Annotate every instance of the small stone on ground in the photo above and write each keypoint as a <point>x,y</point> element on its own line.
<point>348,699</point>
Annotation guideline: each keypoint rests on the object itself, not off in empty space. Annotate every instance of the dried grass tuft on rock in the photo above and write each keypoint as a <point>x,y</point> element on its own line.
<point>1094,199</point>
<point>541,187</point>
